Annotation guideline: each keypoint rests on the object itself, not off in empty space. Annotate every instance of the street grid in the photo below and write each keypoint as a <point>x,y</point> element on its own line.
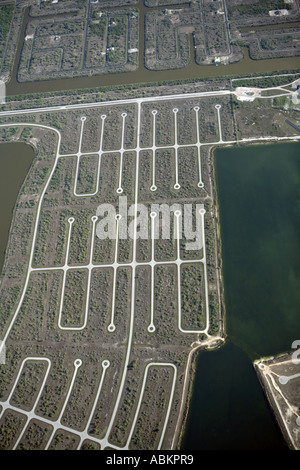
<point>198,336</point>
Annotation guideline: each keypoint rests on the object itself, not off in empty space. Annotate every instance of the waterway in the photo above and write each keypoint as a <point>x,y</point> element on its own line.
<point>259,199</point>
<point>245,66</point>
<point>259,202</point>
<point>15,161</point>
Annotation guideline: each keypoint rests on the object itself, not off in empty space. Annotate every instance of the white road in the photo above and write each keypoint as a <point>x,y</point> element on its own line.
<point>133,264</point>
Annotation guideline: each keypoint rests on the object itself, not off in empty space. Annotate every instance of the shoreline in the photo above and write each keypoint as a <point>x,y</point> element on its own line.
<point>188,390</point>
<point>276,399</point>
<point>189,375</point>
<point>14,209</point>
<point>188,387</point>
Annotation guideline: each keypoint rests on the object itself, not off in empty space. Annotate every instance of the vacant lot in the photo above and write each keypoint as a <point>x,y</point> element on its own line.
<point>93,323</point>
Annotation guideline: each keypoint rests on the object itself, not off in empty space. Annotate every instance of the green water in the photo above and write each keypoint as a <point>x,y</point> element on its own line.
<point>15,161</point>
<point>259,198</point>
<point>259,195</point>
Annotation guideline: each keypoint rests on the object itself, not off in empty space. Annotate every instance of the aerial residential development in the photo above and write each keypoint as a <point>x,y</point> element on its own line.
<point>150,234</point>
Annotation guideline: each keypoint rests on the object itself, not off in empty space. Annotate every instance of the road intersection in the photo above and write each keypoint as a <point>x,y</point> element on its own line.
<point>134,264</point>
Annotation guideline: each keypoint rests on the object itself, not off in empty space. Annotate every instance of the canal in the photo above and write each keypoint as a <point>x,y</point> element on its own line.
<point>15,161</point>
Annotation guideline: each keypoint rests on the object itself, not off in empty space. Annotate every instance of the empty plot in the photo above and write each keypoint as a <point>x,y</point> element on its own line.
<point>125,248</point>
<point>186,124</point>
<point>44,240</point>
<point>11,424</point>
<point>193,312</point>
<point>189,161</point>
<point>74,298</point>
<point>127,173</point>
<point>109,178</point>
<point>146,136</point>
<point>143,301</point>
<point>122,424</point>
<point>192,241</point>
<point>153,411</point>
<point>165,172</point>
<point>48,61</point>
<point>100,302</point>
<point>165,304</point>
<point>80,240</point>
<point>33,311</point>
<point>208,127</point>
<point>113,130</point>
<point>91,137</point>
<point>90,445</point>
<point>57,384</point>
<point>122,302</point>
<point>101,417</point>
<point>165,249</point>
<point>77,411</point>
<point>146,175</point>
<point>87,174</point>
<point>28,386</point>
<point>164,129</point>
<point>144,245</point>
<point>35,436</point>
<point>130,137</point>
<point>64,440</point>
<point>104,251</point>
<point>166,47</point>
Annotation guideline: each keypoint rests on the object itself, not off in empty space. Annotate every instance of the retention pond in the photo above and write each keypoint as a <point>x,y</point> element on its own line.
<point>259,202</point>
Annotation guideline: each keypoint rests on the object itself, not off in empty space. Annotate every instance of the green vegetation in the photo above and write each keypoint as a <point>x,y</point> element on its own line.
<point>9,429</point>
<point>193,296</point>
<point>265,82</point>
<point>8,301</point>
<point>74,298</point>
<point>29,384</point>
<point>154,3</point>
<point>36,436</point>
<point>156,396</point>
<point>258,7</point>
<point>99,28</point>
<point>122,426</point>
<point>6,15</point>
<point>87,174</point>
<point>79,46</point>
<point>64,440</point>
<point>279,102</point>
<point>36,325</point>
<point>90,445</point>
